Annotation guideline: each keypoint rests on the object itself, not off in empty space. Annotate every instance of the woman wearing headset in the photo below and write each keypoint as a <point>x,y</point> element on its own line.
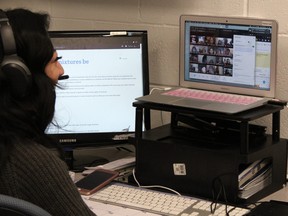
<point>29,169</point>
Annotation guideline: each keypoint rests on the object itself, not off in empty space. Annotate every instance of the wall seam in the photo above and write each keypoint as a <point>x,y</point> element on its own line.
<point>246,8</point>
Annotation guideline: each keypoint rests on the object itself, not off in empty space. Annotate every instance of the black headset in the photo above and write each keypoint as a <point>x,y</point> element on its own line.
<point>13,67</point>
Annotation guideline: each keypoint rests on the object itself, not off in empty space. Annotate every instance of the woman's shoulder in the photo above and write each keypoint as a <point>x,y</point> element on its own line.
<point>32,148</point>
<point>36,155</point>
<point>37,174</point>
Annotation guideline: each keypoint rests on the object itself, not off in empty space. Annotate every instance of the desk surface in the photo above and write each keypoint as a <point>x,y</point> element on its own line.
<point>281,195</point>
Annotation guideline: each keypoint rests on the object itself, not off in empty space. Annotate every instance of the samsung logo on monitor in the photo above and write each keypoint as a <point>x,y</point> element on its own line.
<point>68,140</point>
<point>122,136</point>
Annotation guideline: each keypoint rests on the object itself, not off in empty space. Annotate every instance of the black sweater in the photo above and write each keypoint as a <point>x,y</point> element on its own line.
<point>36,174</point>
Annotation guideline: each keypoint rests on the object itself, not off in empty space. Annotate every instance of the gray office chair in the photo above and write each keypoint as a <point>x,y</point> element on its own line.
<point>11,206</point>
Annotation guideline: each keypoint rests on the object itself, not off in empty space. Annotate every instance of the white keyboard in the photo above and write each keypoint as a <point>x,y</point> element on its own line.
<point>161,203</point>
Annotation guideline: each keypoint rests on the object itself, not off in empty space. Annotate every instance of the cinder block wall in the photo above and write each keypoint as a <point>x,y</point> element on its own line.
<point>161,19</point>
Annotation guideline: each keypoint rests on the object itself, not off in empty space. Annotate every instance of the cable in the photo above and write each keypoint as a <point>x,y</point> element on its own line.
<point>160,89</point>
<point>215,201</point>
<point>153,186</point>
<point>221,190</point>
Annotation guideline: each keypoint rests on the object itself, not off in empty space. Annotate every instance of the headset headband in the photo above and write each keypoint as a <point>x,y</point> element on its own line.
<point>7,36</point>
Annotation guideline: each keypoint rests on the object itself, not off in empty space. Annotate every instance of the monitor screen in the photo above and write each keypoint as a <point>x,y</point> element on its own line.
<point>107,71</point>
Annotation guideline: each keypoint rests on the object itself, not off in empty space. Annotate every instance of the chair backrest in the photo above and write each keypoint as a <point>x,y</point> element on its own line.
<point>11,206</point>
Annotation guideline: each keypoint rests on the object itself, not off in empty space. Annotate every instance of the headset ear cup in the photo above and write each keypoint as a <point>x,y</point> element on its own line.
<point>12,66</point>
<point>18,74</point>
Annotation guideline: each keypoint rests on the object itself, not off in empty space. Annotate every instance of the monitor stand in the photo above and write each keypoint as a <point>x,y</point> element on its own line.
<point>76,165</point>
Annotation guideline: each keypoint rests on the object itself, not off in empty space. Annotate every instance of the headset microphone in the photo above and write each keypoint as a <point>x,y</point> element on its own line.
<point>63,77</point>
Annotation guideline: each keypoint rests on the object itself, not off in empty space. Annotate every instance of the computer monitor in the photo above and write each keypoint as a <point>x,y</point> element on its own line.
<point>229,54</point>
<point>107,71</point>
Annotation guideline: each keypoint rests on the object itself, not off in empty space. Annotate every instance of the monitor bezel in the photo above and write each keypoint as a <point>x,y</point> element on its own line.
<point>75,140</point>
